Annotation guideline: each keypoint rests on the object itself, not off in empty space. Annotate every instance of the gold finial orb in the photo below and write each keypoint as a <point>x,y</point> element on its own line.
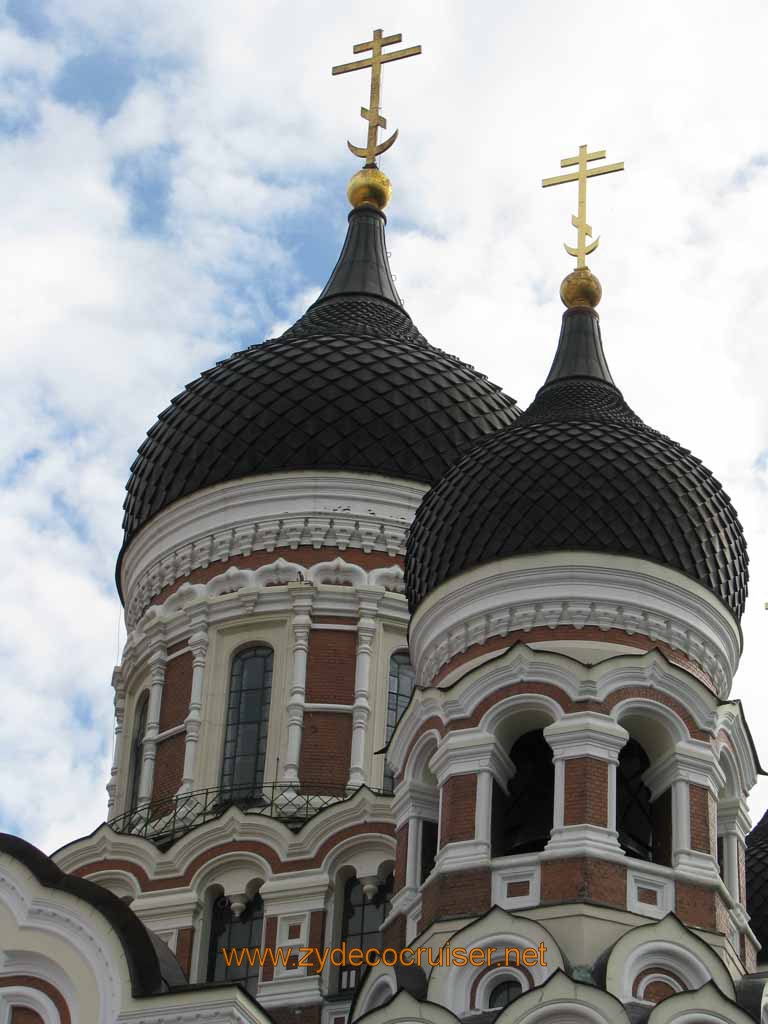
<point>369,187</point>
<point>581,289</point>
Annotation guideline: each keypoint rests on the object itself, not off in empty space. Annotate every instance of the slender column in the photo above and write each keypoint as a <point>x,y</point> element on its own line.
<point>733,824</point>
<point>691,763</point>
<point>302,595</point>
<point>366,631</point>
<point>585,748</point>
<point>465,764</point>
<point>158,658</point>
<point>119,688</point>
<point>199,644</point>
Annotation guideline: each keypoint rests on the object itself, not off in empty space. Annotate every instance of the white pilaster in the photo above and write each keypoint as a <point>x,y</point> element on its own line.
<point>119,687</point>
<point>199,644</point>
<point>158,658</point>
<point>302,595</point>
<point>584,734</point>
<point>368,601</point>
<point>733,824</point>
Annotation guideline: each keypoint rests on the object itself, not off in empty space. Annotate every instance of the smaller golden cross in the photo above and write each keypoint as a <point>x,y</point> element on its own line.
<point>372,114</point>
<point>579,221</point>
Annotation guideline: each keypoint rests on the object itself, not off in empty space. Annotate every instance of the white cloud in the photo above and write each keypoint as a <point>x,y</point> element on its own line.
<point>103,325</point>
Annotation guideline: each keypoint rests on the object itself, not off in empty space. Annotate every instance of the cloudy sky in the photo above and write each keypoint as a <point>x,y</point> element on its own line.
<point>172,179</point>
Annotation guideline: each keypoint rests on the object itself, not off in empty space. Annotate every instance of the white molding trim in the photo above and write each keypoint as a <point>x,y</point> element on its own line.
<point>575,589</point>
<point>261,513</point>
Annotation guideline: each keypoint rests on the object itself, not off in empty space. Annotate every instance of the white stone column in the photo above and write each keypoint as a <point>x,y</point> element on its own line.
<point>119,688</point>
<point>598,738</point>
<point>302,595</point>
<point>733,824</point>
<point>368,601</point>
<point>199,644</point>
<point>691,762</point>
<point>476,753</point>
<point>158,657</point>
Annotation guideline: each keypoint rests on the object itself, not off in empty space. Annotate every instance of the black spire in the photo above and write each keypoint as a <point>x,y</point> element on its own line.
<point>580,349</point>
<point>363,267</point>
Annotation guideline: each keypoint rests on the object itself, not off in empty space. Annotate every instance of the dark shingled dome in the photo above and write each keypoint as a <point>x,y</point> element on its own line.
<point>757,881</point>
<point>352,386</point>
<point>579,471</point>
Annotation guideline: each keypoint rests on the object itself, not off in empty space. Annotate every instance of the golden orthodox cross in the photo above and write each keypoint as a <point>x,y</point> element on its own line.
<point>579,221</point>
<point>371,114</point>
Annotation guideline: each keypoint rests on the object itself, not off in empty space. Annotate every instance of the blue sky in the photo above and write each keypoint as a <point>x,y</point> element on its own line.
<point>173,178</point>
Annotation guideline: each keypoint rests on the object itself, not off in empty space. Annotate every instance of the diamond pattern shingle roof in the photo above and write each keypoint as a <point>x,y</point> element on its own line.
<point>352,385</point>
<point>757,880</point>
<point>579,471</point>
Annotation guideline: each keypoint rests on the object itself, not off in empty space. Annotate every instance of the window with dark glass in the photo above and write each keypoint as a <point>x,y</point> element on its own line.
<point>401,679</point>
<point>504,993</point>
<point>428,848</point>
<point>245,743</point>
<point>228,931</point>
<point>521,820</point>
<point>634,812</point>
<point>137,752</point>
<point>360,923</point>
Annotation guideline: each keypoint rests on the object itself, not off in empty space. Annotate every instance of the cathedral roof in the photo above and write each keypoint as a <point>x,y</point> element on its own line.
<point>579,471</point>
<point>351,386</point>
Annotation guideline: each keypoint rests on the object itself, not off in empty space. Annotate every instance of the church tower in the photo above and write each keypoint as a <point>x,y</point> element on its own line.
<point>412,673</point>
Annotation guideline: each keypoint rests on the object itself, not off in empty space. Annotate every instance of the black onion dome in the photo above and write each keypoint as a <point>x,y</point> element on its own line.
<point>757,881</point>
<point>579,471</point>
<point>352,385</point>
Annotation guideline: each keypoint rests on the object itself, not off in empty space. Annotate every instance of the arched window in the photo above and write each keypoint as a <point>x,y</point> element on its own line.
<point>401,679</point>
<point>137,752</point>
<point>245,744</point>
<point>227,932</point>
<point>504,993</point>
<point>634,813</point>
<point>522,817</point>
<point>361,919</point>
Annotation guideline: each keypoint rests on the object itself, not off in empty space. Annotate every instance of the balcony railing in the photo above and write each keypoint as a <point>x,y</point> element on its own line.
<point>164,821</point>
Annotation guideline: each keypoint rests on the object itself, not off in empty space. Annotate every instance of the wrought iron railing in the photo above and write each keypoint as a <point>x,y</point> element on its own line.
<point>165,820</point>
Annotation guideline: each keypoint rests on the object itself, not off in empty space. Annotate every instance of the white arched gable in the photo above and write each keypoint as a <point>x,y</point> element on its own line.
<point>404,1009</point>
<point>564,1001</point>
<point>452,985</point>
<point>707,1005</point>
<point>664,946</point>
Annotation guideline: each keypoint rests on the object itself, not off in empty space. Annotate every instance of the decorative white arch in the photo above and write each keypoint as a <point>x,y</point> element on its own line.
<point>564,1001</point>
<point>707,1005</point>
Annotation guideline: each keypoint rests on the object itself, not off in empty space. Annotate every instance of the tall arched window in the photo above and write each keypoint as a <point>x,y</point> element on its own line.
<point>227,932</point>
<point>634,812</point>
<point>360,922</point>
<point>245,743</point>
<point>401,679</point>
<point>522,817</point>
<point>137,752</point>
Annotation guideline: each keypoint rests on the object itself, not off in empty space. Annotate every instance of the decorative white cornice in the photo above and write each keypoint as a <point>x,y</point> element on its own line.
<point>586,734</point>
<point>280,510</point>
<point>575,589</point>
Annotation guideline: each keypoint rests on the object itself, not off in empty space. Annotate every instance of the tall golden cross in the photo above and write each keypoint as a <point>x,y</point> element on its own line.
<point>579,221</point>
<point>372,114</point>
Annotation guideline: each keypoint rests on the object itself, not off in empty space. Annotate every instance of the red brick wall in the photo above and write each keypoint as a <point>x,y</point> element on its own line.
<point>295,1014</point>
<point>393,936</point>
<point>27,981</point>
<point>178,684</point>
<point>326,745</point>
<point>23,1015</point>
<point>586,791</point>
<point>401,856</point>
<point>303,555</point>
<point>703,827</point>
<point>457,809</point>
<point>331,666</point>
<point>583,878</point>
<point>270,942</point>
<point>316,936</point>
<point>700,907</point>
<point>184,940</point>
<point>456,894</point>
<point>169,766</point>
